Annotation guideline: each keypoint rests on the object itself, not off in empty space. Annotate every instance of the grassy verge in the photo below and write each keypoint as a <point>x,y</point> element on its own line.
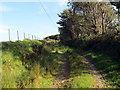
<point>80,75</point>
<point>11,69</point>
<point>104,52</point>
<point>26,64</point>
<point>109,68</point>
<point>83,81</point>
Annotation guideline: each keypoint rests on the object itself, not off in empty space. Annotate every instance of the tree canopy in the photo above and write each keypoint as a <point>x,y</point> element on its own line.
<point>86,19</point>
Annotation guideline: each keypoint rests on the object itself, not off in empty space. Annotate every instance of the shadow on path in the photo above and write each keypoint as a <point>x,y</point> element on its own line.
<point>100,82</point>
<point>62,79</point>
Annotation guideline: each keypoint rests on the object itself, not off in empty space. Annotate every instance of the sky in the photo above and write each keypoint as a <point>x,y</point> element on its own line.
<point>29,18</point>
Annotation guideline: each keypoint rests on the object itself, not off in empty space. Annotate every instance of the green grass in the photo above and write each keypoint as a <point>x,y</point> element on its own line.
<point>80,75</point>
<point>24,64</point>
<point>11,69</point>
<point>78,66</point>
<point>47,82</point>
<point>109,68</point>
<point>33,64</point>
<point>83,81</point>
<point>30,64</point>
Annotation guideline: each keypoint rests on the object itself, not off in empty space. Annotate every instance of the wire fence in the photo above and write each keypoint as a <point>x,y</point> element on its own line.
<point>20,36</point>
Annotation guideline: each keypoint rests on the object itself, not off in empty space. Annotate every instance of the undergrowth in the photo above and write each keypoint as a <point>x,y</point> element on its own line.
<point>108,67</point>
<point>36,64</point>
<point>27,64</point>
<point>105,53</point>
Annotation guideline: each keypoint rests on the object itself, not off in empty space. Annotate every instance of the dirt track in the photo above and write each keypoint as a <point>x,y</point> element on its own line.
<point>62,79</point>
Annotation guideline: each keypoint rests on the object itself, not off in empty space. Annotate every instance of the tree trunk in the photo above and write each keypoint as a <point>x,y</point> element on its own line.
<point>102,26</point>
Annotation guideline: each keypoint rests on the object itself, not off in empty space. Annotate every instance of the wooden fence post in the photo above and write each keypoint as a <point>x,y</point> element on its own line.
<point>28,36</point>
<point>9,34</point>
<point>18,35</point>
<point>32,37</point>
<point>24,35</point>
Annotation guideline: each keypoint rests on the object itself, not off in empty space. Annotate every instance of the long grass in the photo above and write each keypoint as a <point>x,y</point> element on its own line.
<point>24,65</point>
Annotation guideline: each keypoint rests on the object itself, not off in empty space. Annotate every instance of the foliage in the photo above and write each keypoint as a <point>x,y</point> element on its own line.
<point>105,52</point>
<point>55,37</point>
<point>109,68</point>
<point>11,69</point>
<point>83,81</point>
<point>23,65</point>
<point>42,63</point>
<point>107,43</point>
<point>86,19</point>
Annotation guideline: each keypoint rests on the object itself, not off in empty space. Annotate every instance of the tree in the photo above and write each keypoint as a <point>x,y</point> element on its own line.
<point>117,5</point>
<point>65,23</point>
<point>85,19</point>
<point>94,13</point>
